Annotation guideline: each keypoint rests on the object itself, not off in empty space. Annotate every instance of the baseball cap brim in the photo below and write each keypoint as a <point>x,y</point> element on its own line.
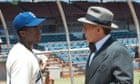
<point>84,20</point>
<point>35,22</point>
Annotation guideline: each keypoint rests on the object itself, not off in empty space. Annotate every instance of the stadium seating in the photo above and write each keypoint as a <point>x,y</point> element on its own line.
<point>57,38</point>
<point>60,37</point>
<point>124,34</point>
<point>9,11</point>
<point>41,9</point>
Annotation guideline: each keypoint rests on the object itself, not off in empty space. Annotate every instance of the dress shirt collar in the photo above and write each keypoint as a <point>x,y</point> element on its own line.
<point>100,43</point>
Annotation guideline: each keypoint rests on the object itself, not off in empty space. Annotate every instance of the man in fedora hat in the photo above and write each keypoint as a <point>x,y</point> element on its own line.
<point>22,64</point>
<point>109,61</point>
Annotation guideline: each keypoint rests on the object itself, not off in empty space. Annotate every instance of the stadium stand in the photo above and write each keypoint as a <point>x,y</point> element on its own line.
<point>51,37</point>
<point>72,11</point>
<point>9,10</point>
<point>40,9</point>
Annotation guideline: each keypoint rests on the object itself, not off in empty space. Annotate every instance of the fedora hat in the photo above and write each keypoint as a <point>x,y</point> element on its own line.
<point>99,16</point>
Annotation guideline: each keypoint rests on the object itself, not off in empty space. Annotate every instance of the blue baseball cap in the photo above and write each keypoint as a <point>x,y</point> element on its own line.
<point>26,19</point>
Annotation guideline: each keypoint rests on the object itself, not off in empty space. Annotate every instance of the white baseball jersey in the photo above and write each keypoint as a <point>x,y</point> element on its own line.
<point>22,66</point>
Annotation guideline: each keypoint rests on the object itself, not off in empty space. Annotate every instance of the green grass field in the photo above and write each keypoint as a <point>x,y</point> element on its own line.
<point>80,80</point>
<point>136,77</point>
<point>77,80</point>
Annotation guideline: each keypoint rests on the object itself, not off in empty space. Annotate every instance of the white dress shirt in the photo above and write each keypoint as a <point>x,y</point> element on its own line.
<point>98,45</point>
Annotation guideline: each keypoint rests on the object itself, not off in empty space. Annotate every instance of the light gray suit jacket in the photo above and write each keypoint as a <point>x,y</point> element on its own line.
<point>112,64</point>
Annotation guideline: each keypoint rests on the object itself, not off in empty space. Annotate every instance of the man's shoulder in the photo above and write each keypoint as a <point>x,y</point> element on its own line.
<point>117,46</point>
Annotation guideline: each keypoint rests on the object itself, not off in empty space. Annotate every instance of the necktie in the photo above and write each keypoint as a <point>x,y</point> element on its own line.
<point>92,47</point>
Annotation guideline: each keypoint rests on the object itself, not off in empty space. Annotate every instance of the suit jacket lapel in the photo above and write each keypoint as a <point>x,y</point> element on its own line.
<point>98,58</point>
<point>105,45</point>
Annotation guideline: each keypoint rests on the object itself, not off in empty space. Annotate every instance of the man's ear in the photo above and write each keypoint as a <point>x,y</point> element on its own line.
<point>98,30</point>
<point>22,33</point>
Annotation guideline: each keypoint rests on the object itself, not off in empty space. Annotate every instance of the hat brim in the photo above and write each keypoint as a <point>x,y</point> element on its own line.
<point>36,22</point>
<point>84,20</point>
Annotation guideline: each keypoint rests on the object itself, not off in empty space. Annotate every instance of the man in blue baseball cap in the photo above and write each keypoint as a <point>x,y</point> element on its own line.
<point>22,64</point>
